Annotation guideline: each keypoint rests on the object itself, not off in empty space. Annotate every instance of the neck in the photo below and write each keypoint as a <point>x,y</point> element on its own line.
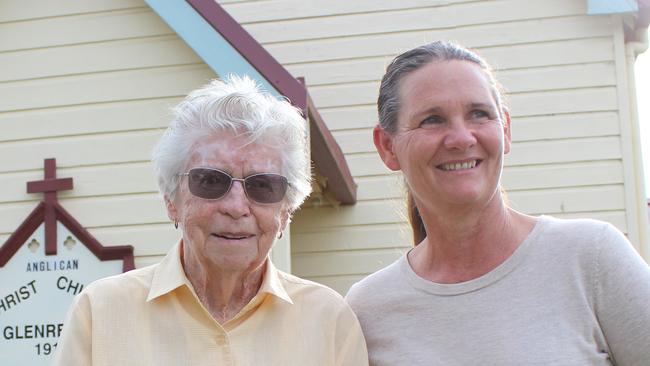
<point>466,243</point>
<point>223,294</point>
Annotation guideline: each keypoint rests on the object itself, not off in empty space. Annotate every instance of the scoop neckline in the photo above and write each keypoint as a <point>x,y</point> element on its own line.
<point>501,271</point>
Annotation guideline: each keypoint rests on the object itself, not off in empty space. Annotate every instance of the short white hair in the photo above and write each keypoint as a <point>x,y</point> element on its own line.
<point>235,105</point>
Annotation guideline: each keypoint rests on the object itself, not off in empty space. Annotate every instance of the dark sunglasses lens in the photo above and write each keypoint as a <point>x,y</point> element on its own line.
<point>208,183</point>
<point>266,188</point>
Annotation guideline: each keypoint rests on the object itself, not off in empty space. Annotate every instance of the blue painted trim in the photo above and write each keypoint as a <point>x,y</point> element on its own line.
<point>611,6</point>
<point>215,50</point>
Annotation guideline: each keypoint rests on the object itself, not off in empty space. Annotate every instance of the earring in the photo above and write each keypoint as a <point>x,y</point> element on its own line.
<point>281,233</point>
<point>176,224</point>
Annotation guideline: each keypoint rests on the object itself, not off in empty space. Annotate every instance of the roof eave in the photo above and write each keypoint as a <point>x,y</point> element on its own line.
<point>325,151</point>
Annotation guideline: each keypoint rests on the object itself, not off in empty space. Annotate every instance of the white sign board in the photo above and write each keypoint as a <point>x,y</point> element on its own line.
<point>36,291</point>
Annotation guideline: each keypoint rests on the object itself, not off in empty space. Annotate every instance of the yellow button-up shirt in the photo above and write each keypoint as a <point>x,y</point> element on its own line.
<point>152,316</point>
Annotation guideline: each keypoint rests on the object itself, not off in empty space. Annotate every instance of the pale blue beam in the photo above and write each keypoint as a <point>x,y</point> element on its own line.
<point>197,33</point>
<point>611,6</point>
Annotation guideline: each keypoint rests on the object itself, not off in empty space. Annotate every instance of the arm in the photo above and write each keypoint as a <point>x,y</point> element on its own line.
<point>622,304</point>
<point>75,346</point>
<point>349,342</point>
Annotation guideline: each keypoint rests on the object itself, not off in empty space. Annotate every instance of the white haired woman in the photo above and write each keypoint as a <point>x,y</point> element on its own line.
<point>232,167</point>
<point>485,284</point>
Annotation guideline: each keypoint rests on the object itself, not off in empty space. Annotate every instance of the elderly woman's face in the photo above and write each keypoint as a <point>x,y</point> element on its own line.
<point>232,233</point>
<point>451,135</point>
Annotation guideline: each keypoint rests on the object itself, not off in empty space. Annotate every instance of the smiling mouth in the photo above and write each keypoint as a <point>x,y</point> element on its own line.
<point>233,236</point>
<point>470,164</point>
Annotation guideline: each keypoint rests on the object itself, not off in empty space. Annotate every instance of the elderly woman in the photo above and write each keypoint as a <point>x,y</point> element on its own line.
<point>486,284</point>
<point>232,167</point>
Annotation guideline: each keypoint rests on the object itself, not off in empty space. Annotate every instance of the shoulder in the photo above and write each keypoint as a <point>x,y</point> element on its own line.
<point>579,236</point>
<point>322,302</point>
<point>585,246</point>
<point>131,285</point>
<point>375,287</point>
<point>300,288</point>
<point>579,229</point>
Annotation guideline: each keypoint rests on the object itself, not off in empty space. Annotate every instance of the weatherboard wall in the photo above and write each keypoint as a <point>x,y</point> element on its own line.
<point>557,64</point>
<point>91,83</point>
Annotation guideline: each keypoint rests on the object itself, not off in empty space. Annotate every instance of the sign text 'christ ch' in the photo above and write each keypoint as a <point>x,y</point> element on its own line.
<point>43,265</point>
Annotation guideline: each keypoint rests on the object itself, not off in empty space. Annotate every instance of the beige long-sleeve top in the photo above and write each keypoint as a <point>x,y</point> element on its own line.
<point>574,293</point>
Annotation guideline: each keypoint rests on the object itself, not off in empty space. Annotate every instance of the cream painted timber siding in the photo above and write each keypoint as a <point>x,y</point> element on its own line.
<point>90,83</point>
<point>560,66</point>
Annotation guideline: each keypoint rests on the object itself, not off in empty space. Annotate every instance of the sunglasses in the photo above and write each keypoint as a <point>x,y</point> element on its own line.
<point>212,184</point>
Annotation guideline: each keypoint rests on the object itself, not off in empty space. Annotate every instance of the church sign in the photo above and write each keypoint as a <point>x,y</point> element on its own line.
<point>43,265</point>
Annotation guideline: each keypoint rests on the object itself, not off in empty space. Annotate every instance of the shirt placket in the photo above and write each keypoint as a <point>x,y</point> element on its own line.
<point>224,344</point>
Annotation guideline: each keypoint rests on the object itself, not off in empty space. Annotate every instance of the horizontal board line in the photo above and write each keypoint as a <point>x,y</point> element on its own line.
<point>577,164</point>
<point>83,134</point>
<point>380,58</point>
<point>339,108</point>
<point>481,49</point>
<point>72,107</point>
<point>360,227</point>
<point>553,66</point>
<point>376,81</point>
<point>149,255</point>
<point>82,43</point>
<point>337,15</point>
<point>92,103</point>
<point>118,10</point>
<point>450,28</point>
<point>347,106</point>
<point>118,163</point>
<point>116,226</point>
<point>101,73</point>
<point>519,93</point>
<point>97,73</point>
<point>533,164</point>
<point>566,113</point>
<point>63,199</point>
<point>170,36</point>
<point>391,55</point>
<point>370,178</point>
<point>587,214</point>
<point>128,226</point>
<point>550,91</point>
<point>559,139</point>
<point>346,131</point>
<point>516,141</point>
<point>431,29</point>
<point>351,250</point>
<point>361,153</point>
<point>566,188</point>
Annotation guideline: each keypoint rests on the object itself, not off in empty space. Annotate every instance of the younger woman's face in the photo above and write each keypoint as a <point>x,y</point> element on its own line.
<point>451,135</point>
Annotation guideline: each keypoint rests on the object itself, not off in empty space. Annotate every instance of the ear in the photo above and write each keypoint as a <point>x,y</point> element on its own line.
<point>172,212</point>
<point>507,137</point>
<point>384,145</point>
<point>285,217</point>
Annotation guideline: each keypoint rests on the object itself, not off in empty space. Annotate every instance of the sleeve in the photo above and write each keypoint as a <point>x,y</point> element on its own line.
<point>350,344</point>
<point>74,346</point>
<point>622,303</point>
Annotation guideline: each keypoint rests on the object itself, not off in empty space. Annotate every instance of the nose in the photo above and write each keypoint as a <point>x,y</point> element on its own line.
<point>459,136</point>
<point>235,203</point>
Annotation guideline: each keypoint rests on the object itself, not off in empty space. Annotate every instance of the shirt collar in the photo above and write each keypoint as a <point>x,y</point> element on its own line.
<point>272,284</point>
<point>169,275</point>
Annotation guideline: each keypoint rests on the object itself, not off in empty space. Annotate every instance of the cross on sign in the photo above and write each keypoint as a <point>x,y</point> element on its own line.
<point>49,186</point>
